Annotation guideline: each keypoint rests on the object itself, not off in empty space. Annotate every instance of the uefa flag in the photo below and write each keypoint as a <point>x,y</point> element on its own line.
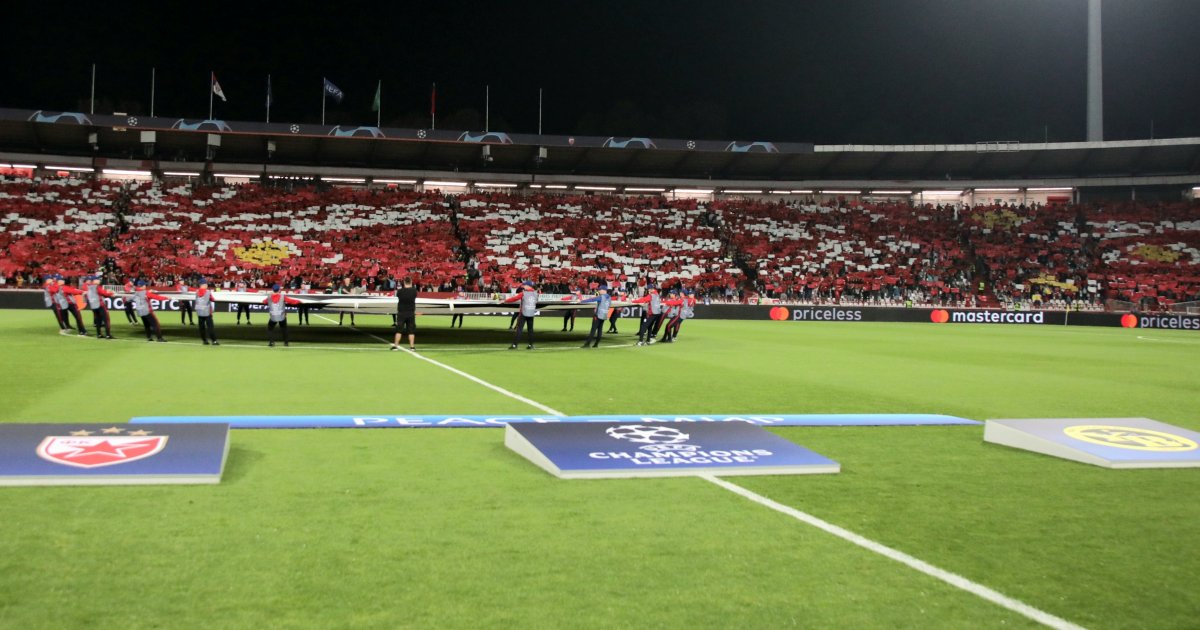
<point>216,88</point>
<point>332,91</point>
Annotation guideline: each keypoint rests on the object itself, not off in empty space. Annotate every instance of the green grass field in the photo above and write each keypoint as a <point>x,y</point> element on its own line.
<point>447,528</point>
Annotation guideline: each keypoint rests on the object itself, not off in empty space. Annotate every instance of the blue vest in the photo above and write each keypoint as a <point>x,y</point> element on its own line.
<point>141,303</point>
<point>603,302</point>
<point>529,299</point>
<point>203,304</point>
<point>276,309</point>
<point>655,304</point>
<point>93,297</point>
<point>60,298</point>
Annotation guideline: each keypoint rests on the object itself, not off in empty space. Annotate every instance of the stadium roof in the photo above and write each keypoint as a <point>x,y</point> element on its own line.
<point>286,148</point>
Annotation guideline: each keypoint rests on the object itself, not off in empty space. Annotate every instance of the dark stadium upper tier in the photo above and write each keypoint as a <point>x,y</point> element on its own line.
<point>181,139</point>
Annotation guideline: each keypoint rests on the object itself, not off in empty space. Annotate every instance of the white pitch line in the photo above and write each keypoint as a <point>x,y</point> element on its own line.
<point>540,350</point>
<point>1188,342</point>
<point>496,388</point>
<point>952,579</point>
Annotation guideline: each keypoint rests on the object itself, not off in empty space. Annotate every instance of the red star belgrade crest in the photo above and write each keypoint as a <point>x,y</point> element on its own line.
<point>101,450</point>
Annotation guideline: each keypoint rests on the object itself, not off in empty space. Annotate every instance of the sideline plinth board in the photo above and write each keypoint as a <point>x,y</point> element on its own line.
<point>112,454</point>
<point>384,421</point>
<point>615,450</point>
<point>1107,442</point>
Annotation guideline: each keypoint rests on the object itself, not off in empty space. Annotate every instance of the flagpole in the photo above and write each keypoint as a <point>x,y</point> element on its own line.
<point>379,110</point>
<point>487,109</point>
<point>93,105</point>
<point>211,75</point>
<point>268,98</point>
<point>433,108</point>
<point>322,101</point>
<point>539,111</point>
<point>152,92</point>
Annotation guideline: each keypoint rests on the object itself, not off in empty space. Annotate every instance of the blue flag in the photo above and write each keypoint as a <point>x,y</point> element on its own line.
<point>332,91</point>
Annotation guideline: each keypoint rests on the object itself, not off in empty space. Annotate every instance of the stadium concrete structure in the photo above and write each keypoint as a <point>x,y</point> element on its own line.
<point>131,147</point>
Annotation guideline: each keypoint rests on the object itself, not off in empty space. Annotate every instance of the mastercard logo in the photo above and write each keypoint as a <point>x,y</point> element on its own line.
<point>939,316</point>
<point>779,313</point>
<point>1129,321</point>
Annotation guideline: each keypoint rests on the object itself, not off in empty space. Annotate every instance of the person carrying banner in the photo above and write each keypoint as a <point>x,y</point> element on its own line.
<point>302,310</point>
<point>603,301</point>
<point>345,289</point>
<point>569,315</point>
<point>130,316</point>
<point>406,314</point>
<point>277,304</point>
<point>67,306</point>
<point>673,315</point>
<point>185,306</point>
<point>459,294</point>
<point>145,310</point>
<point>616,312</point>
<point>651,316</point>
<point>49,290</point>
<point>241,287</point>
<point>95,294</point>
<point>528,297</point>
<point>203,304</point>
<point>687,311</point>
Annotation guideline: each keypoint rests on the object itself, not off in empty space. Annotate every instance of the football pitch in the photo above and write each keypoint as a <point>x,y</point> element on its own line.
<point>447,528</point>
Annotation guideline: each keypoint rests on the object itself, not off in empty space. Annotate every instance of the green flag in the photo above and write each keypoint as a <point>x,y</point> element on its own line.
<point>375,104</point>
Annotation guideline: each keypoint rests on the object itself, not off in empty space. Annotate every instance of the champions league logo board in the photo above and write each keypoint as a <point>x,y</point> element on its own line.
<point>614,450</point>
<point>1107,442</point>
<point>112,454</point>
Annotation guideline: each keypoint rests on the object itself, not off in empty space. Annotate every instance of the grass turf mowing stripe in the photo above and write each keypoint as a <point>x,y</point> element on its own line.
<point>952,579</point>
<point>495,388</point>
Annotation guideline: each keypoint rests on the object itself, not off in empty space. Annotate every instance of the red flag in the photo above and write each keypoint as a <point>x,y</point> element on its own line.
<point>216,88</point>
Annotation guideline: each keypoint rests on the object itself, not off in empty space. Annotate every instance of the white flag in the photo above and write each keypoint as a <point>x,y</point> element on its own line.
<point>216,87</point>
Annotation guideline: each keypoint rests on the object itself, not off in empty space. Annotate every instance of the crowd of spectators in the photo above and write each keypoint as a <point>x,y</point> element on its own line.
<point>1057,256</point>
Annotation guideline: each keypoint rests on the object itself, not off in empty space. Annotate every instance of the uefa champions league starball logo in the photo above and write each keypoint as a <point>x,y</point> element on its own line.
<point>655,438</point>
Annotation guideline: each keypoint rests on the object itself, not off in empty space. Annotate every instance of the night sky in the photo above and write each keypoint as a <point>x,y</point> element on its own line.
<point>824,71</point>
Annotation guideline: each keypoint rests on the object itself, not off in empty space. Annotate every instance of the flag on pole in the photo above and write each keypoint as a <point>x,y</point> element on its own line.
<point>433,101</point>
<point>269,91</point>
<point>332,91</point>
<point>216,88</point>
<point>378,91</point>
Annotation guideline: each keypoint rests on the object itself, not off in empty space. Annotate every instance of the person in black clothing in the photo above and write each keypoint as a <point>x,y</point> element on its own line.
<point>459,294</point>
<point>129,314</point>
<point>616,313</point>
<point>406,314</point>
<point>186,312</point>
<point>346,289</point>
<point>302,310</point>
<point>242,287</point>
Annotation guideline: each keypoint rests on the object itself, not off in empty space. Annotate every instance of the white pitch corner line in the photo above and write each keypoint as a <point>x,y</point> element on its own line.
<point>496,388</point>
<point>952,579</point>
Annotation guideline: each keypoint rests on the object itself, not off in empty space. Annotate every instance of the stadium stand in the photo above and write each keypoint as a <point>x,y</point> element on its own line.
<point>1055,256</point>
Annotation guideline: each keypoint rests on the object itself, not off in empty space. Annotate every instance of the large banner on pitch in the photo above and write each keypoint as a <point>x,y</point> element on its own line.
<point>609,450</point>
<point>112,454</point>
